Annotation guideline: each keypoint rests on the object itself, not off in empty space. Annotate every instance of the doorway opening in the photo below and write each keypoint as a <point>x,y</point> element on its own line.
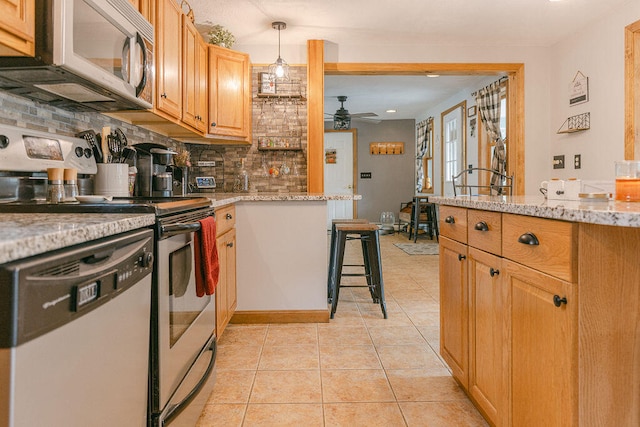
<point>317,68</point>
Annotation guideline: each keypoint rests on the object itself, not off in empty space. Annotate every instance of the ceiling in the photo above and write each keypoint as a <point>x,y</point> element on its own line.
<point>409,22</point>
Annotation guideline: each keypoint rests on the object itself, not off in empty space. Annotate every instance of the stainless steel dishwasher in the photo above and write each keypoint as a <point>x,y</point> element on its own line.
<point>74,335</point>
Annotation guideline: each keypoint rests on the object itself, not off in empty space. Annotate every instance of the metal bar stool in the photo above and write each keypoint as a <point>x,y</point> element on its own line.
<point>332,248</point>
<point>369,236</point>
<point>423,212</point>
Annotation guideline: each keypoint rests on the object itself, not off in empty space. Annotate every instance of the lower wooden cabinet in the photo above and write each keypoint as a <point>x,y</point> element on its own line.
<point>488,340</point>
<point>544,322</point>
<point>454,308</point>
<point>226,294</point>
<point>508,331</point>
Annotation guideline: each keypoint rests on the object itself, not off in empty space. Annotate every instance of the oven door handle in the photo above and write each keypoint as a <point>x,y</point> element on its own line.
<point>180,228</point>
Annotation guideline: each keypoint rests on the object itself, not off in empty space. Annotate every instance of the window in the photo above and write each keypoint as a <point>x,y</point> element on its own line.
<point>453,139</point>
<point>485,147</point>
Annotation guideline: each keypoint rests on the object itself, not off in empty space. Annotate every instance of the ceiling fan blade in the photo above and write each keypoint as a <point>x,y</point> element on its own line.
<point>364,115</point>
<point>367,120</point>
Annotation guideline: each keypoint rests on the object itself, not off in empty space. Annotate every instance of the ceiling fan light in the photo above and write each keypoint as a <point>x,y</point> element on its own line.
<point>342,123</point>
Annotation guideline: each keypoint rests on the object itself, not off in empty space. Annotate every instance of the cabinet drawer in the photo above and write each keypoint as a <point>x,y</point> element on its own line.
<point>546,245</point>
<point>453,223</point>
<point>485,230</point>
<point>225,219</point>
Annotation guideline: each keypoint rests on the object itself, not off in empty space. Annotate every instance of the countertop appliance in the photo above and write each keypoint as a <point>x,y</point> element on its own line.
<point>182,333</point>
<point>155,170</point>
<point>90,55</point>
<point>74,328</point>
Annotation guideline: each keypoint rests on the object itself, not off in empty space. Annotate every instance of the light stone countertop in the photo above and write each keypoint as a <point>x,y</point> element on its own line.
<point>221,199</point>
<point>23,235</point>
<point>620,214</point>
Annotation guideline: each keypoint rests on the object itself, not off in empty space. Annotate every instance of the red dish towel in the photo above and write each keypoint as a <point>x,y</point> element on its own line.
<point>206,254</point>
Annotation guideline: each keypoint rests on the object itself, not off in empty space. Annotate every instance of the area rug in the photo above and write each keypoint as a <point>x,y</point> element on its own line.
<point>419,248</point>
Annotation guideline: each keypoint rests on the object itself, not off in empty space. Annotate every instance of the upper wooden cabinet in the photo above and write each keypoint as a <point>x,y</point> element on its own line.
<point>194,69</point>
<point>229,93</point>
<point>17,27</point>
<point>168,52</point>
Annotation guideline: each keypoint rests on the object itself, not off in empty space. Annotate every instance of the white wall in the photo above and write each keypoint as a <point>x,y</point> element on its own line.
<point>597,51</point>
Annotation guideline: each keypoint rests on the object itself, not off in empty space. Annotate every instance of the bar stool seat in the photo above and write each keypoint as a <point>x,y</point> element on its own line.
<point>372,263</point>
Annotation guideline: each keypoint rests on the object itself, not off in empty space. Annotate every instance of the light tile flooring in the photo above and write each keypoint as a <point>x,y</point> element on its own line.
<point>357,370</point>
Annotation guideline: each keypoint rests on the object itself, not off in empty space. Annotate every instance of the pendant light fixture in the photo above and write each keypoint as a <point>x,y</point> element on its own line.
<point>280,68</point>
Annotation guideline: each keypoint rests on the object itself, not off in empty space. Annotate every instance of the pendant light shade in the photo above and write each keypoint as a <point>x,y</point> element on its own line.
<point>280,68</point>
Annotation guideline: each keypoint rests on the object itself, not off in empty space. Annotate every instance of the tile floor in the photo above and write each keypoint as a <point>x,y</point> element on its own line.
<point>357,370</point>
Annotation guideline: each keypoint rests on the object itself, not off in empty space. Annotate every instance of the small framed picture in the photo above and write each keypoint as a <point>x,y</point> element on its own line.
<point>471,111</point>
<point>267,83</point>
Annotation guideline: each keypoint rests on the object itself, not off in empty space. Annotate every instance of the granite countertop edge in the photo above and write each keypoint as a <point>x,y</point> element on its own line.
<point>221,199</point>
<point>591,212</point>
<point>25,235</point>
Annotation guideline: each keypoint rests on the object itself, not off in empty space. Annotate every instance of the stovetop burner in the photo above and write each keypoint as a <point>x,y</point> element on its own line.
<point>160,206</point>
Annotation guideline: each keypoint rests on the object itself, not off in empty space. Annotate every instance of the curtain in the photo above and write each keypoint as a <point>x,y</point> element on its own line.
<point>488,100</point>
<point>422,145</point>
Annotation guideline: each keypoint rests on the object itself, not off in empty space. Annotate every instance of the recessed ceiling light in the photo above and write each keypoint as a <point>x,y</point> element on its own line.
<point>392,111</point>
<point>433,75</point>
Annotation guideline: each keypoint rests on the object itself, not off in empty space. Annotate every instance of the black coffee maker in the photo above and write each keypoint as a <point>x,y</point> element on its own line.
<point>155,170</point>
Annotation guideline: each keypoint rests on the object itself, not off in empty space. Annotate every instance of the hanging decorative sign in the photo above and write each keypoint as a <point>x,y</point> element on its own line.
<point>579,89</point>
<point>330,156</point>
<point>386,148</point>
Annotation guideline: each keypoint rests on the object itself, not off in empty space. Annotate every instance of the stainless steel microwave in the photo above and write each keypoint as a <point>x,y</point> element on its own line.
<point>90,55</point>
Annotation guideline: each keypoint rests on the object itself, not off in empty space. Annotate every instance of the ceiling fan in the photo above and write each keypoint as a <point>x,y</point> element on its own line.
<point>342,118</point>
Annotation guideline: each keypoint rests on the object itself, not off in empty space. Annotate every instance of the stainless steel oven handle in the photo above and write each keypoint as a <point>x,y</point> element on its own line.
<point>180,228</point>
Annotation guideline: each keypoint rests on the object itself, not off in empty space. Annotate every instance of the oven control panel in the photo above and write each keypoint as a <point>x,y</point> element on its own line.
<point>27,150</point>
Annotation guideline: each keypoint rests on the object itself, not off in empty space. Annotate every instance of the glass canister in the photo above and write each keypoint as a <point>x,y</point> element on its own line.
<point>628,181</point>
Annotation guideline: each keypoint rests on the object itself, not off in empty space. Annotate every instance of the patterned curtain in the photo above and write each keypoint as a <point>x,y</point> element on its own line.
<point>422,145</point>
<point>488,100</point>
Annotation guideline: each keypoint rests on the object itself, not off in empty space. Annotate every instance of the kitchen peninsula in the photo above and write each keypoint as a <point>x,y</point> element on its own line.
<point>540,308</point>
<point>282,255</point>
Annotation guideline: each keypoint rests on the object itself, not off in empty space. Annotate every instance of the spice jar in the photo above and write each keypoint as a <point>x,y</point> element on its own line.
<point>55,188</point>
<point>70,184</point>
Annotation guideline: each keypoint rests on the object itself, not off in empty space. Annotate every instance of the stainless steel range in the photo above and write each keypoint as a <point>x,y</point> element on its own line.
<point>183,342</point>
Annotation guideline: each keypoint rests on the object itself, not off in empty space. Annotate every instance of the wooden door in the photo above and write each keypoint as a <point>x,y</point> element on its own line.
<point>543,348</point>
<point>168,55</point>
<point>488,357</point>
<point>454,308</point>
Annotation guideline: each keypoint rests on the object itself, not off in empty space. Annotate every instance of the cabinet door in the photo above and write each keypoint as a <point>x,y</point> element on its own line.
<point>229,93</point>
<point>222,311</point>
<point>488,356</point>
<point>454,308</point>
<point>169,58</point>
<point>232,294</point>
<point>17,27</point>
<point>543,348</point>
<point>194,68</point>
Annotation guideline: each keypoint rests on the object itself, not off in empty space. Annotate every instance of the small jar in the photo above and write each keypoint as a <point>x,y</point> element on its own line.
<point>70,184</point>
<point>55,188</point>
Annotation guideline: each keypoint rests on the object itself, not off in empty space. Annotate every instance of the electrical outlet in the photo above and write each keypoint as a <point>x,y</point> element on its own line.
<point>558,162</point>
<point>577,161</point>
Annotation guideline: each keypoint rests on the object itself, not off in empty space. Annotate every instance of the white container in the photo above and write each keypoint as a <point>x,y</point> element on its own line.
<point>112,179</point>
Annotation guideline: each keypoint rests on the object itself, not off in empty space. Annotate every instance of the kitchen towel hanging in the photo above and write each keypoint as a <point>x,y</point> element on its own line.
<point>206,257</point>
